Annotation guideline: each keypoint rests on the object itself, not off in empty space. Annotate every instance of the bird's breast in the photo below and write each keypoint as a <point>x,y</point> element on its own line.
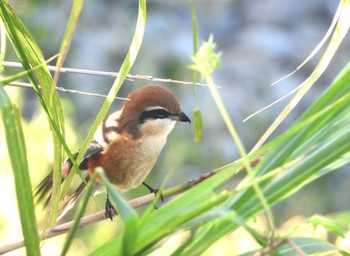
<point>128,162</point>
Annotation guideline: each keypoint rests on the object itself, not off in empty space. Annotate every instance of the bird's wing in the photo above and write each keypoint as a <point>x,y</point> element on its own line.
<point>108,130</point>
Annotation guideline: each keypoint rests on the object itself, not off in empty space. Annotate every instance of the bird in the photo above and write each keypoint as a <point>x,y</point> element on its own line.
<point>126,144</point>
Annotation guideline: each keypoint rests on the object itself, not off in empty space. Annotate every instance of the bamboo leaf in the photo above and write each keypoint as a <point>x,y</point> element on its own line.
<point>339,33</point>
<point>125,68</point>
<point>78,215</point>
<point>301,245</point>
<point>327,223</point>
<point>18,156</point>
<point>127,214</point>
<point>68,36</point>
<point>30,56</point>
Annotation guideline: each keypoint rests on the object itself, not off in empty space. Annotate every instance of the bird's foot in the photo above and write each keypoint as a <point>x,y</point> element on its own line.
<point>154,191</point>
<point>110,209</point>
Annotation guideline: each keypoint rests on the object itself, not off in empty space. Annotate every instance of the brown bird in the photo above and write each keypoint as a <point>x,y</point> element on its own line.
<point>127,143</point>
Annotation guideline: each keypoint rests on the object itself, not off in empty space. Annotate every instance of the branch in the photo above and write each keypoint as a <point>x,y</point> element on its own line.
<point>64,90</point>
<point>135,203</point>
<point>273,246</point>
<point>106,73</point>
<point>99,216</point>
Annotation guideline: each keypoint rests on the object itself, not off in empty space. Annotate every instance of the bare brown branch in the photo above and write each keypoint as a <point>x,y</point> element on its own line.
<point>99,216</point>
<point>135,203</point>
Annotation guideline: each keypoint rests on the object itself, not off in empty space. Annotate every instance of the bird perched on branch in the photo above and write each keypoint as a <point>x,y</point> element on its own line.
<point>127,143</point>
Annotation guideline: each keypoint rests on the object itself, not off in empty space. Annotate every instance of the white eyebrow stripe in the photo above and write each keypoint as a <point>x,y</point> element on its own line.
<point>154,107</point>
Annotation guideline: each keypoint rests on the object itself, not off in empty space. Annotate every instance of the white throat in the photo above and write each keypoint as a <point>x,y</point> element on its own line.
<point>154,134</point>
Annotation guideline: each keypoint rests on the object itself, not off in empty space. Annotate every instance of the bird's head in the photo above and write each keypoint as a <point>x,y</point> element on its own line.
<point>150,110</point>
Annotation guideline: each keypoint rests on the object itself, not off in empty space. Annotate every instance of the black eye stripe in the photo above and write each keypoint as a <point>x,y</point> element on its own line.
<point>157,113</point>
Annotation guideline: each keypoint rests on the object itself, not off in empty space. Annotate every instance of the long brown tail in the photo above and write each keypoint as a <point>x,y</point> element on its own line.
<point>44,189</point>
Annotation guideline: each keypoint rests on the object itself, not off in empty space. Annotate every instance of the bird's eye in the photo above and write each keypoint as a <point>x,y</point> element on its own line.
<point>157,113</point>
<point>161,113</point>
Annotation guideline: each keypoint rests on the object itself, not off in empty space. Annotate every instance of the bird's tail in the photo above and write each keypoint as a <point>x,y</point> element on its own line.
<point>43,192</point>
<point>44,189</point>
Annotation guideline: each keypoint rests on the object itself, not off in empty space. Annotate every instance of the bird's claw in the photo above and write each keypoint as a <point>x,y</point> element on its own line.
<point>154,191</point>
<point>110,210</point>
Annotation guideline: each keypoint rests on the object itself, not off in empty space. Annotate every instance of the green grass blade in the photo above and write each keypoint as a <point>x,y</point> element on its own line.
<point>175,213</point>
<point>206,61</point>
<point>68,36</point>
<point>78,215</point>
<point>314,126</point>
<point>339,33</point>
<point>339,88</point>
<point>312,144</point>
<point>30,56</point>
<point>17,151</point>
<point>128,215</point>
<point>9,79</point>
<point>124,70</point>
<point>2,46</point>
<point>306,245</point>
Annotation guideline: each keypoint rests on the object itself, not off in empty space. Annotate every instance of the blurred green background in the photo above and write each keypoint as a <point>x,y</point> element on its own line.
<point>260,41</point>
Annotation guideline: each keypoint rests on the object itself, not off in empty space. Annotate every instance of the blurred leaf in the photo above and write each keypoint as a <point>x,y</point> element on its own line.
<point>124,70</point>
<point>30,56</point>
<point>307,245</point>
<point>300,246</point>
<point>174,214</point>
<point>18,156</point>
<point>328,224</point>
<point>2,46</point>
<point>319,45</point>
<point>9,79</point>
<point>194,28</point>
<point>127,214</point>
<point>130,218</point>
<point>198,125</point>
<point>206,60</point>
<point>213,229</point>
<point>68,35</point>
<point>340,31</point>
<point>300,156</point>
<point>316,140</point>
<point>78,215</point>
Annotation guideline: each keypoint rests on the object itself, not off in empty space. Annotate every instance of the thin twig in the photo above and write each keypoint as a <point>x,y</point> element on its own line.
<point>106,73</point>
<point>271,248</point>
<point>99,216</point>
<point>295,247</point>
<point>63,90</point>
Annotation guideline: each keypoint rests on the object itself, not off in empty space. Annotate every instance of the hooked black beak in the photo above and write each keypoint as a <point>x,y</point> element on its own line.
<point>181,117</point>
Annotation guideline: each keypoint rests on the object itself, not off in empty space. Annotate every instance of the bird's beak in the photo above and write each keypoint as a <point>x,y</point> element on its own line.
<point>181,117</point>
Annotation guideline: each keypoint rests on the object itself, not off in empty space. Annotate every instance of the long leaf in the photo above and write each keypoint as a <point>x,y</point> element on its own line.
<point>30,56</point>
<point>125,68</point>
<point>339,33</point>
<point>18,156</point>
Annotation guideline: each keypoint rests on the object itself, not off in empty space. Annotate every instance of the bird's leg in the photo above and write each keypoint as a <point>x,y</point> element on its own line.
<point>152,190</point>
<point>110,210</point>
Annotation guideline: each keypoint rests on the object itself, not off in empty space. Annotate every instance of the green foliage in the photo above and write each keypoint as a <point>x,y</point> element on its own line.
<point>206,60</point>
<point>30,55</point>
<point>316,144</point>
<point>17,151</point>
<point>328,223</point>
